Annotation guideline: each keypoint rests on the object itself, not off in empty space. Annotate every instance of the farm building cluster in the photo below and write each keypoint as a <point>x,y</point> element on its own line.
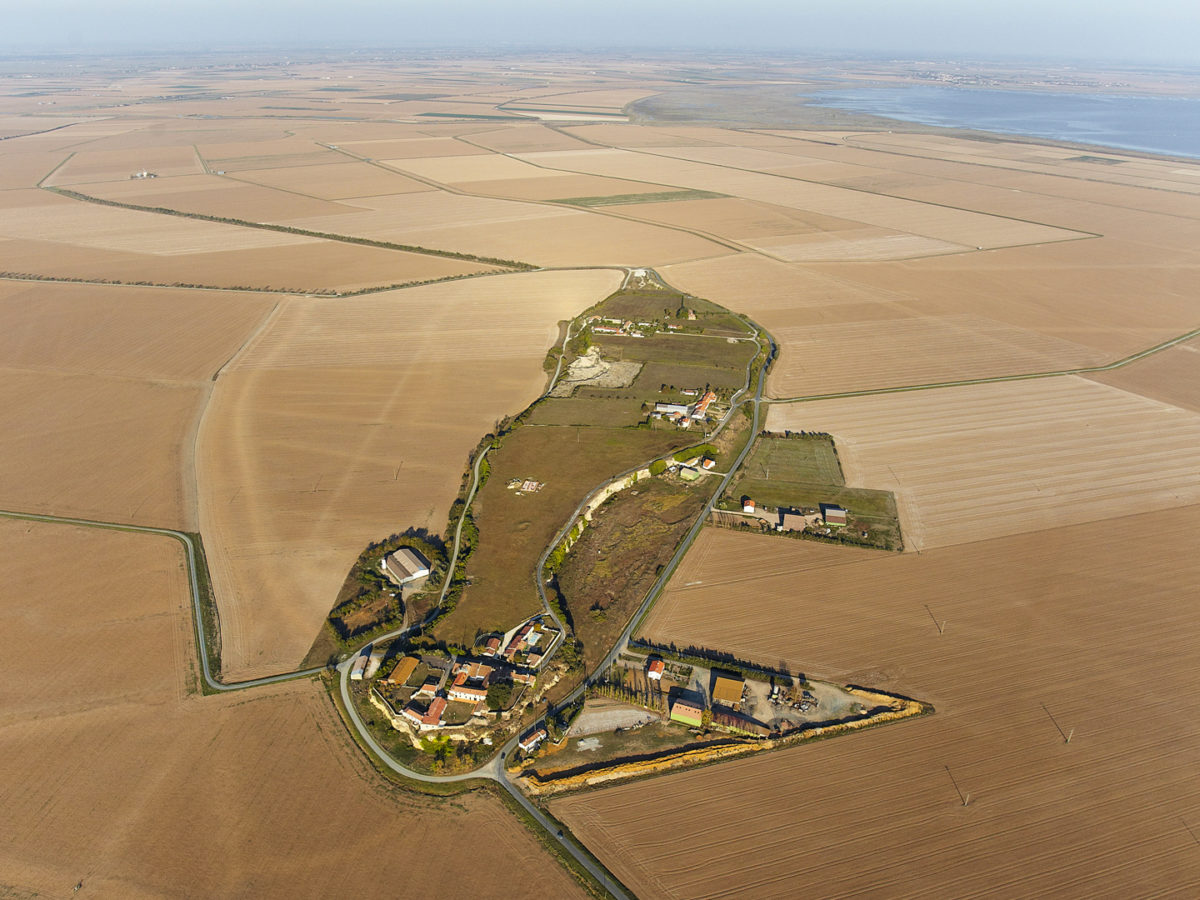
<point>429,692</point>
<point>684,414</point>
<point>829,515</point>
<point>623,327</point>
<point>701,697</point>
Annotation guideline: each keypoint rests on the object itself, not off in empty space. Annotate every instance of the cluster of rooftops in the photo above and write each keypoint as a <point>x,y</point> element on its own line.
<point>683,414</point>
<point>514,656</point>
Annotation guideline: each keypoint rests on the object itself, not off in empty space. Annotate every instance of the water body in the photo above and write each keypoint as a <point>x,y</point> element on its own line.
<point>1168,125</point>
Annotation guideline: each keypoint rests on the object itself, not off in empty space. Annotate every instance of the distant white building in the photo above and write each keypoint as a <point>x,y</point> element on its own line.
<point>405,565</point>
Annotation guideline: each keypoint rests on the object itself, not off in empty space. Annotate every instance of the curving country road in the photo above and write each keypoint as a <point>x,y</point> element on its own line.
<point>190,548</point>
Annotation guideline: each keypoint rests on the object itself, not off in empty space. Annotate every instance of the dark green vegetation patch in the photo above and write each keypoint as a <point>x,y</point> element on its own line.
<point>629,199</point>
<point>800,472</point>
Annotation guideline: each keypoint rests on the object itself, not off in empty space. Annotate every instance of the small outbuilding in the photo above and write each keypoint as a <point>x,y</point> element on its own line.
<point>833,514</point>
<point>790,521</point>
<point>727,688</point>
<point>687,713</point>
<point>403,671</point>
<point>429,688</point>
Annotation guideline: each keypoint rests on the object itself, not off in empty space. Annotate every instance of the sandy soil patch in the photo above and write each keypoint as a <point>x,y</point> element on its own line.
<point>603,99</point>
<point>24,170</point>
<point>593,371</point>
<point>213,195</point>
<point>877,813</point>
<point>400,214</point>
<point>738,219</point>
<point>771,291</point>
<point>1112,295</point>
<point>575,239</point>
<point>858,244</point>
<point>525,139</point>
<point>319,266</point>
<point>623,135</point>
<point>422,146</point>
<point>351,419</point>
<point>1042,160</point>
<point>17,125</point>
<point>530,232</point>
<point>113,771</point>
<point>559,187</point>
<point>602,715</point>
<point>976,462</point>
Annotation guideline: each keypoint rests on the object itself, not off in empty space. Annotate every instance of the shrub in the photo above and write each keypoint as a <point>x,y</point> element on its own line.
<point>499,695</point>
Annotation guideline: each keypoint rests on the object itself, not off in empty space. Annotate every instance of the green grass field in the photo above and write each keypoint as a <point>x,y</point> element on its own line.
<point>810,459</point>
<point>640,304</point>
<point>654,375</point>
<point>514,528</point>
<point>628,199</point>
<point>683,349</point>
<point>589,407</point>
<point>573,445</point>
<point>804,472</point>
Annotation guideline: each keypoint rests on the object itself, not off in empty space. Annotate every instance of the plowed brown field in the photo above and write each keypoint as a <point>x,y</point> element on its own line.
<point>136,332</point>
<point>117,777</point>
<point>102,390</point>
<point>1098,630</point>
<point>1172,376</point>
<point>107,448</point>
<point>969,463</point>
<point>938,222</point>
<point>318,266</point>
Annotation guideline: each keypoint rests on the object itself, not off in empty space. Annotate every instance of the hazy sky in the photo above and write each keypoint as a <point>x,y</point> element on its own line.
<point>1119,30</point>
